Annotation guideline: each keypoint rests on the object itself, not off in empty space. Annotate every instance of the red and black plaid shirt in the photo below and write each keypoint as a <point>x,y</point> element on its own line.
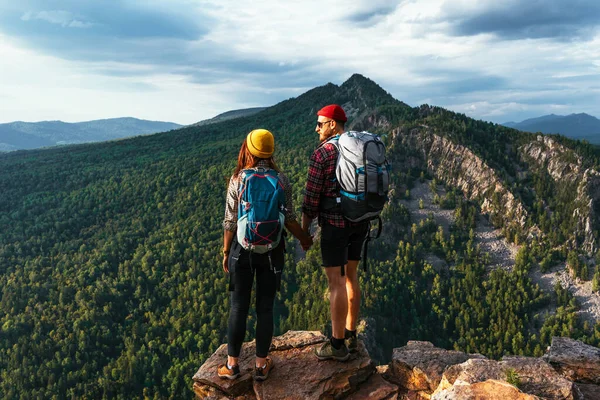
<point>321,183</point>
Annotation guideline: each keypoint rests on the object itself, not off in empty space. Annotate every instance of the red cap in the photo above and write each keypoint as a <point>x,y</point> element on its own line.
<point>334,112</point>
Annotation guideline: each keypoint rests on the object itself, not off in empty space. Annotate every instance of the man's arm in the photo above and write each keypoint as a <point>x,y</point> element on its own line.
<point>315,184</point>
<point>306,221</point>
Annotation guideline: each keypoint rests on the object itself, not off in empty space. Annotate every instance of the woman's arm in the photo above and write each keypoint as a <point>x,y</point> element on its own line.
<point>290,216</point>
<point>295,229</point>
<point>230,220</point>
<point>227,239</point>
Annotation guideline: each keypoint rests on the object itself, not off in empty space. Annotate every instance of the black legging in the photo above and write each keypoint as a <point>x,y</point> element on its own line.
<point>242,278</point>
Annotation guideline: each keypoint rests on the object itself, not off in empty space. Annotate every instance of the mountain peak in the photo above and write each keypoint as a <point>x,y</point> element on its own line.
<point>363,92</point>
<point>358,78</point>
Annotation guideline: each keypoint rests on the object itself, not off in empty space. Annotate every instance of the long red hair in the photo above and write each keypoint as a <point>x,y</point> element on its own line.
<point>248,160</point>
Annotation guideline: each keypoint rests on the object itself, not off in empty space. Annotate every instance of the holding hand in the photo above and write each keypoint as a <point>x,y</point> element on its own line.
<point>305,239</point>
<point>306,242</point>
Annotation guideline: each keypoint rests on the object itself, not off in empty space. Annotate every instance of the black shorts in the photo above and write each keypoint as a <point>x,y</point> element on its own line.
<point>338,245</point>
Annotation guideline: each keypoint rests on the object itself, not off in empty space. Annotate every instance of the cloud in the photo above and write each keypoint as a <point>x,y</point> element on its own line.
<point>159,38</point>
<point>210,56</point>
<point>59,17</point>
<point>524,19</point>
<point>121,20</point>
<point>372,14</point>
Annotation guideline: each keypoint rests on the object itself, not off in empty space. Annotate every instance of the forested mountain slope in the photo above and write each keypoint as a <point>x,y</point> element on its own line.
<point>110,277</point>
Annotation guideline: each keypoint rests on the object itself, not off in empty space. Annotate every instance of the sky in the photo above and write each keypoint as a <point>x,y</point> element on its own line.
<point>187,60</point>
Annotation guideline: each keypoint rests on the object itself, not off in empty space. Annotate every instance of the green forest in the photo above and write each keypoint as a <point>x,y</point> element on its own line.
<point>110,277</point>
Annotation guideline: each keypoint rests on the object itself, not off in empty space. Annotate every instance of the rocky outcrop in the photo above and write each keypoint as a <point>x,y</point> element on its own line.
<point>490,389</point>
<point>419,365</point>
<point>297,373</point>
<point>531,375</point>
<point>418,371</point>
<point>458,166</point>
<point>575,360</point>
<point>566,167</point>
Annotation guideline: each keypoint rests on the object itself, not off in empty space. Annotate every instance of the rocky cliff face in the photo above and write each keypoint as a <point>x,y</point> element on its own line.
<point>566,167</point>
<point>458,166</point>
<point>419,370</point>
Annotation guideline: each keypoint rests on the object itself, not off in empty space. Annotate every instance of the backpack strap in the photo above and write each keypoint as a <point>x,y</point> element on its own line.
<point>334,141</point>
<point>368,239</point>
<point>275,271</point>
<point>332,203</point>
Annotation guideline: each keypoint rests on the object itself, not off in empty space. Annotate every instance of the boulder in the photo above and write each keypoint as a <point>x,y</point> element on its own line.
<point>589,391</point>
<point>471,371</point>
<point>574,360</point>
<point>532,376</point>
<point>539,378</point>
<point>206,392</point>
<point>489,390</point>
<point>207,374</point>
<point>419,366</point>
<point>376,388</point>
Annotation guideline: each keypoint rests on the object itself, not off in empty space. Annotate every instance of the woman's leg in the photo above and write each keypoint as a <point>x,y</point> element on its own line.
<point>265,296</point>
<point>238,313</point>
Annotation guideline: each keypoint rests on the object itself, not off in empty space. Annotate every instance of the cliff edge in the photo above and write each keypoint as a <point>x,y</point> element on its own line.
<point>418,371</point>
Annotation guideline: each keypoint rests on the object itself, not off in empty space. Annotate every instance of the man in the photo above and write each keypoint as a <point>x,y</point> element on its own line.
<point>341,240</point>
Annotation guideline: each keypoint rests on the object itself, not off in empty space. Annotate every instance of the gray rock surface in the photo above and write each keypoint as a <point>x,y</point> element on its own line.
<point>486,390</point>
<point>575,360</point>
<point>419,365</point>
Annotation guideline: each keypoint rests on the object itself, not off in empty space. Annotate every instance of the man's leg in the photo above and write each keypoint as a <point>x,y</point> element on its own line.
<point>338,301</point>
<point>334,254</point>
<point>353,294</point>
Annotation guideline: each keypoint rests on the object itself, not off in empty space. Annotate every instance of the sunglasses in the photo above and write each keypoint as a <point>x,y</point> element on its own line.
<point>320,124</point>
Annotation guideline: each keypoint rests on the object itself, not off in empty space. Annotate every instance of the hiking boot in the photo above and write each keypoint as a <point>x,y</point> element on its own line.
<point>262,373</point>
<point>327,352</point>
<point>352,344</point>
<point>224,372</point>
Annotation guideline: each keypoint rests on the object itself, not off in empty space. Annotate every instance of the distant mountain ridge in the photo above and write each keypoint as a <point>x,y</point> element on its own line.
<point>31,135</point>
<point>233,114</point>
<point>575,126</point>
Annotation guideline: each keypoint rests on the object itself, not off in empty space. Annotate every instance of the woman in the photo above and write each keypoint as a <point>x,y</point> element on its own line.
<point>241,264</point>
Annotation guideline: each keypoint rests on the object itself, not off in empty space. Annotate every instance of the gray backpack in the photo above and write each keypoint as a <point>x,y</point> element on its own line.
<point>363,173</point>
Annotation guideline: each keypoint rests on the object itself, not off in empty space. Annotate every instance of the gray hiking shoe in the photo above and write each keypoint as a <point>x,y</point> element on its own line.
<point>352,344</point>
<point>328,352</point>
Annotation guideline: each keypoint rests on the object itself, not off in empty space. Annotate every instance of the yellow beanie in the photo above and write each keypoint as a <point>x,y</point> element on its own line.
<point>260,143</point>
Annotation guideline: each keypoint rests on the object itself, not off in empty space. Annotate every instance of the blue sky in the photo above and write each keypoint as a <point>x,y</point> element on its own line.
<point>187,60</point>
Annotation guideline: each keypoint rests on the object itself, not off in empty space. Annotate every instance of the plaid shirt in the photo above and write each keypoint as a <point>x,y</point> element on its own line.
<point>321,183</point>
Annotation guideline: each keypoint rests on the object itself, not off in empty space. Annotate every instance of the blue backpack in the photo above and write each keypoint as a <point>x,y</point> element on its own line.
<point>260,210</point>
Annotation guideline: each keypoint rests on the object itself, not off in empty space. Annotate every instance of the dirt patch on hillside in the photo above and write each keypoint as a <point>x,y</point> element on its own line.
<point>582,291</point>
<point>422,191</point>
<point>502,254</point>
<point>490,240</point>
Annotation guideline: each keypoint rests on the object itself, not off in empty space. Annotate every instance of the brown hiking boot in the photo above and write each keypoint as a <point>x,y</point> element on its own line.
<point>226,373</point>
<point>262,373</point>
